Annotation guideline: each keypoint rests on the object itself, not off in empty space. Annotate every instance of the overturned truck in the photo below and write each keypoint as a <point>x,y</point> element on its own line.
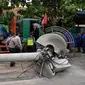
<point>51,53</point>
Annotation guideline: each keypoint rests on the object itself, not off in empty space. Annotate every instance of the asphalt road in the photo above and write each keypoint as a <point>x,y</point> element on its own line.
<point>73,76</point>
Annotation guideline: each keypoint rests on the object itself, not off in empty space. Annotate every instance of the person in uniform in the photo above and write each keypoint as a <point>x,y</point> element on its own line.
<point>30,45</point>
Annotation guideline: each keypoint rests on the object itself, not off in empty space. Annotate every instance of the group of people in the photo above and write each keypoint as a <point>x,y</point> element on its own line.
<point>14,44</point>
<point>80,42</point>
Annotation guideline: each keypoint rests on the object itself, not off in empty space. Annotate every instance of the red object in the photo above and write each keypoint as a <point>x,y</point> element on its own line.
<point>13,25</point>
<point>44,21</point>
<point>83,32</point>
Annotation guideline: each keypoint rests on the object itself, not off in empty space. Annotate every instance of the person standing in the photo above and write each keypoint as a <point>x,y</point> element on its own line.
<point>14,45</point>
<point>35,31</point>
<point>11,46</point>
<point>79,42</point>
<point>17,42</point>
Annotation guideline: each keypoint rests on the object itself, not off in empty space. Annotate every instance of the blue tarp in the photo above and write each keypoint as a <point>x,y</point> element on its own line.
<point>4,34</point>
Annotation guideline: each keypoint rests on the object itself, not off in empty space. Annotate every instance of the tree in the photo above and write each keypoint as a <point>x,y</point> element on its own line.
<point>63,9</point>
<point>34,8</point>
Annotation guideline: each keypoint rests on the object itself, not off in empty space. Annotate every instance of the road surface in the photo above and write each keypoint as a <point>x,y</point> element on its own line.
<point>73,76</point>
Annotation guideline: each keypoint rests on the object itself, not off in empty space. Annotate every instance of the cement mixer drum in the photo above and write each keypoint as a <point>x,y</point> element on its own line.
<point>55,40</point>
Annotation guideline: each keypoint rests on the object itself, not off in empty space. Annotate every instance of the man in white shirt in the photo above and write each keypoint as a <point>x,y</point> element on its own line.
<point>14,45</point>
<point>11,46</point>
<point>17,42</point>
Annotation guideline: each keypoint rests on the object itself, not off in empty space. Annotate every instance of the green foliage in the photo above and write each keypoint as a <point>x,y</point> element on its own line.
<point>68,9</point>
<point>54,8</point>
<point>7,18</point>
<point>33,9</point>
<point>63,8</point>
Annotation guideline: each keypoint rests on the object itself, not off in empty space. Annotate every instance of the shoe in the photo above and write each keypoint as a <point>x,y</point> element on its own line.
<point>12,64</point>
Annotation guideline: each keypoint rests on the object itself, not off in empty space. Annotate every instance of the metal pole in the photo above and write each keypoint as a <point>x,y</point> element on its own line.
<point>19,57</point>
